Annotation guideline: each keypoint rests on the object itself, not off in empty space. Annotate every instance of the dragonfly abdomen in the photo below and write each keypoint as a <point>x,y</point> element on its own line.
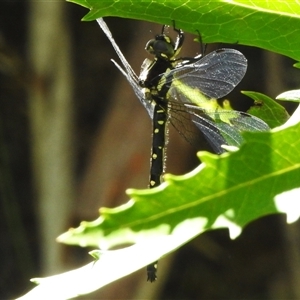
<point>158,145</point>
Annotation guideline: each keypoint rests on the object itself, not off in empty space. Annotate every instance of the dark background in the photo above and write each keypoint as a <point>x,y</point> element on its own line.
<point>105,147</point>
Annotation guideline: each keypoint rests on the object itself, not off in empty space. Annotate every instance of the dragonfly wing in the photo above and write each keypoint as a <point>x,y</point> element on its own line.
<point>127,71</point>
<point>246,122</point>
<point>224,127</point>
<point>220,127</point>
<point>189,119</point>
<point>181,119</point>
<point>215,75</point>
<point>217,134</point>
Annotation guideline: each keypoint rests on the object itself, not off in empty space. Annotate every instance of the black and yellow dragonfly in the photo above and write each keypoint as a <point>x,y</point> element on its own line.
<point>184,92</point>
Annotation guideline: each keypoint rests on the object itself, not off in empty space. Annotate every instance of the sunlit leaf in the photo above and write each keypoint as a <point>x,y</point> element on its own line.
<point>239,187</point>
<point>272,25</point>
<point>293,95</point>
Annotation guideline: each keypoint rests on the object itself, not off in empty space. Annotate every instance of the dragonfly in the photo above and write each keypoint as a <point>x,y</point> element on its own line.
<point>183,91</point>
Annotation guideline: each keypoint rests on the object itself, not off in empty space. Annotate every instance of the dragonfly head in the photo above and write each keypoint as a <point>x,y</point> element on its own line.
<point>161,47</point>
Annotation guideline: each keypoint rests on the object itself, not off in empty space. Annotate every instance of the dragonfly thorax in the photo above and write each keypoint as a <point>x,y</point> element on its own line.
<point>154,72</point>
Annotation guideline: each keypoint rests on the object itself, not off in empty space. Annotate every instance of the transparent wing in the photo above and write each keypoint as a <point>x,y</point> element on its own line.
<point>225,127</point>
<point>215,74</point>
<point>199,82</point>
<point>219,127</point>
<point>128,72</point>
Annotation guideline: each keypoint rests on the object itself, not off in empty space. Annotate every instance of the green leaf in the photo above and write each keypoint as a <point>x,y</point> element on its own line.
<point>230,190</point>
<point>296,65</point>
<point>267,109</point>
<point>272,25</point>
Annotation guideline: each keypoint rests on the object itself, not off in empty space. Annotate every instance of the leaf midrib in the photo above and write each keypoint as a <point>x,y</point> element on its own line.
<point>211,197</point>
